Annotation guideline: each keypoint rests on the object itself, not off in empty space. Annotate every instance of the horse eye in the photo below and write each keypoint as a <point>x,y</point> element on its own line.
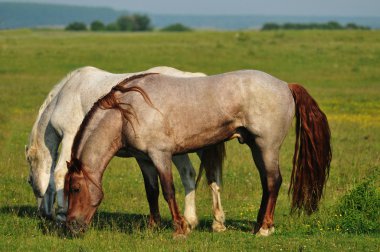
<point>75,190</point>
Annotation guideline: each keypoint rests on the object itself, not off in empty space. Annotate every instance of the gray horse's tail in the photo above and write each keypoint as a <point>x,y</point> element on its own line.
<point>212,162</point>
<point>312,155</point>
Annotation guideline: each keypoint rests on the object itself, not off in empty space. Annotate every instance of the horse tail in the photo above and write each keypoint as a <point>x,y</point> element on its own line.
<point>312,155</point>
<point>212,161</point>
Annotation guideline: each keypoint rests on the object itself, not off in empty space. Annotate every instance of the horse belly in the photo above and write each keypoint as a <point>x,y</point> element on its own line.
<point>187,141</point>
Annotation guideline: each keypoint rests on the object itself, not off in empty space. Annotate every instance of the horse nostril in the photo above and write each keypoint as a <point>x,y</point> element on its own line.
<point>76,228</point>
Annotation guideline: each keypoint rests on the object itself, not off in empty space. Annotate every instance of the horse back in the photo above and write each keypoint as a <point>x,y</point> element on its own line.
<point>188,113</point>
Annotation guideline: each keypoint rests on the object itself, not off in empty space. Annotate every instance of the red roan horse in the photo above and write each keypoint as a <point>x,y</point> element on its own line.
<point>159,116</point>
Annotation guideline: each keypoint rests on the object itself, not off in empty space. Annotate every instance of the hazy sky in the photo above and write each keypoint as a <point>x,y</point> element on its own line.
<point>236,7</point>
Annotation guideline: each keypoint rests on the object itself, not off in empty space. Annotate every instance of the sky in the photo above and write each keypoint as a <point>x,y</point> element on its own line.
<point>362,8</point>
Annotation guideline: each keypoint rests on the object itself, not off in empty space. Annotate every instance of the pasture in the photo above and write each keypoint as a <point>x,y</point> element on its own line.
<point>340,69</point>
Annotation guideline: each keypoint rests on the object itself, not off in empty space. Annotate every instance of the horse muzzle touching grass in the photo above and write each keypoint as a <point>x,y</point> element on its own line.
<point>81,206</point>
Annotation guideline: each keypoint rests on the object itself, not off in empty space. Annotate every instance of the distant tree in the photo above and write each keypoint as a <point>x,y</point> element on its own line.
<point>270,26</point>
<point>142,22</point>
<point>126,23</point>
<point>97,26</point>
<point>332,25</point>
<point>353,26</point>
<point>289,26</point>
<point>76,26</point>
<point>135,22</point>
<point>112,27</point>
<point>178,27</point>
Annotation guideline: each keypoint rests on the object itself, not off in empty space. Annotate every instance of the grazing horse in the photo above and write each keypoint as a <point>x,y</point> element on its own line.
<point>159,116</point>
<point>59,119</point>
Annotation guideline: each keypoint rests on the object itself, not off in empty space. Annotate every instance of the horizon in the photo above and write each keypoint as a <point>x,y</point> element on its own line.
<point>263,9</point>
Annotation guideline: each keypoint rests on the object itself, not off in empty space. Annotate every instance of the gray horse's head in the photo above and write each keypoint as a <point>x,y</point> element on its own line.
<point>39,171</point>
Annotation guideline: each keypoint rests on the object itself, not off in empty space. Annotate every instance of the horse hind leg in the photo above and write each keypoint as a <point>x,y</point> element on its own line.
<point>219,217</point>
<point>266,158</point>
<point>212,160</point>
<point>187,174</point>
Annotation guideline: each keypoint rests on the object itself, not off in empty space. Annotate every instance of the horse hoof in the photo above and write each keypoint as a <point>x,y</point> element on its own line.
<point>218,227</point>
<point>60,224</point>
<point>265,232</point>
<point>192,223</point>
<point>60,217</point>
<point>179,236</point>
<point>154,223</point>
<point>46,216</point>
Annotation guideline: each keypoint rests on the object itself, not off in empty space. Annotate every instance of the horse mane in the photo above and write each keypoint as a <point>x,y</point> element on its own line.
<point>109,101</point>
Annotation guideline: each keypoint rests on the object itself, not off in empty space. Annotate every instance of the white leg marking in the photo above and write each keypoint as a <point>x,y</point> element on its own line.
<point>265,232</point>
<point>219,218</point>
<point>190,210</point>
<point>187,174</point>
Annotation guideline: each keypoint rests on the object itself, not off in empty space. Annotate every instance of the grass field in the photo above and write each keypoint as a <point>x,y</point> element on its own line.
<point>341,69</point>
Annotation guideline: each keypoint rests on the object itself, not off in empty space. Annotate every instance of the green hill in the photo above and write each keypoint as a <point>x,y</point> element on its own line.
<point>16,15</point>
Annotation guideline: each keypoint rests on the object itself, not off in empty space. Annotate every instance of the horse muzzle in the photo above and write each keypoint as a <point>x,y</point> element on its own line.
<point>76,228</point>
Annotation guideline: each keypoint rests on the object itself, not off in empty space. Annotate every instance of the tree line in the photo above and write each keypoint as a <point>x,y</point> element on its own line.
<point>134,22</point>
<point>332,25</point>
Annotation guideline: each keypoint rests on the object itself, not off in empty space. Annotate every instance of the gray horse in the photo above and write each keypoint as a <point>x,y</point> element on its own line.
<point>158,116</point>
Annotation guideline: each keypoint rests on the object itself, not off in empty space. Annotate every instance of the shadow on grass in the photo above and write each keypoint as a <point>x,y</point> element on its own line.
<point>20,211</point>
<point>114,221</point>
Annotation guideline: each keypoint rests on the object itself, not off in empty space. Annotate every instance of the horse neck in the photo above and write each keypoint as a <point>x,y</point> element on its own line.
<point>43,137</point>
<point>98,142</point>
<point>37,135</point>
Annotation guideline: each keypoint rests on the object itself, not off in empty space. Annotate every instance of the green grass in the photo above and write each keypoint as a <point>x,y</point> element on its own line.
<point>339,68</point>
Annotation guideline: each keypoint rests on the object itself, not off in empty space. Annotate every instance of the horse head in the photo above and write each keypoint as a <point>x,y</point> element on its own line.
<point>84,195</point>
<point>39,171</point>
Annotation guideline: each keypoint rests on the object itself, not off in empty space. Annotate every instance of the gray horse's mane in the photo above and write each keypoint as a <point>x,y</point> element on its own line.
<point>109,101</point>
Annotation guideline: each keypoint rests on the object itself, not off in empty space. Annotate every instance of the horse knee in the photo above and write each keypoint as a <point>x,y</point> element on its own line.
<point>59,178</point>
<point>168,194</point>
<point>275,183</point>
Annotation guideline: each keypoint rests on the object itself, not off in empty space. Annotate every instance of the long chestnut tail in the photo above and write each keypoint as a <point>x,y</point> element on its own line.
<point>212,161</point>
<point>312,155</point>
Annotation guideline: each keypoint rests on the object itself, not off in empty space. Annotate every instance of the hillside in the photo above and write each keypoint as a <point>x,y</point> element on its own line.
<point>16,15</point>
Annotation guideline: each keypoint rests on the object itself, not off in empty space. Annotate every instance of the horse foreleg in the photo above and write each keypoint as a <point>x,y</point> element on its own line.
<point>187,174</point>
<point>46,204</point>
<point>270,176</point>
<point>152,191</point>
<point>162,161</point>
<point>59,177</point>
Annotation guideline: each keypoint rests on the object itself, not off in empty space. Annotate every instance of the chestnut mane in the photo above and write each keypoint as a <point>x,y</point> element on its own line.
<point>109,101</point>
